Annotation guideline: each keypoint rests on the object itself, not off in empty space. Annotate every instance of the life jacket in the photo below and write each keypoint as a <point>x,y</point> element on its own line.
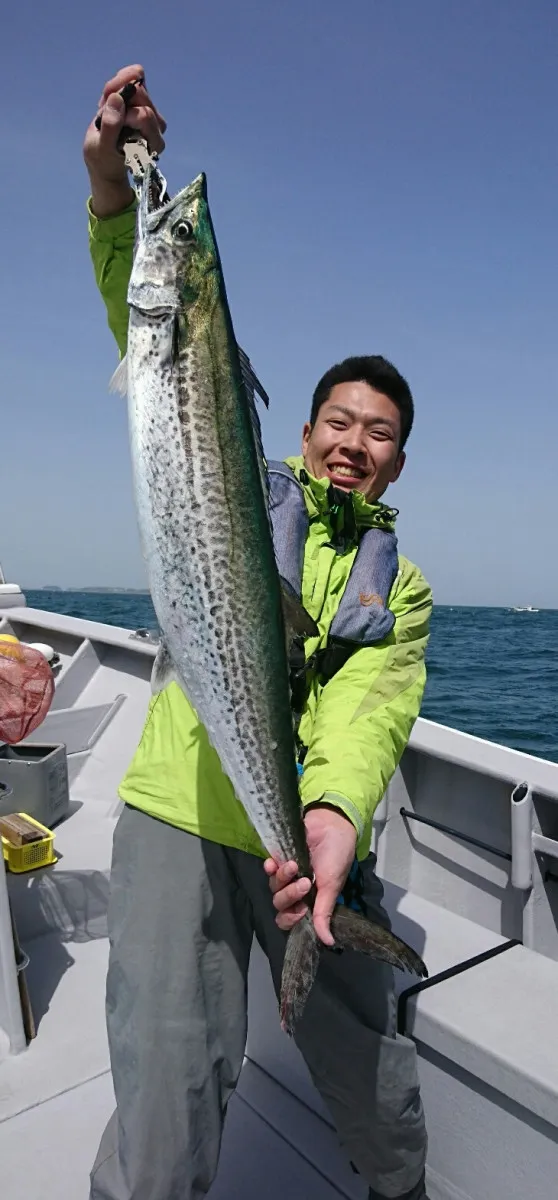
<point>362,618</point>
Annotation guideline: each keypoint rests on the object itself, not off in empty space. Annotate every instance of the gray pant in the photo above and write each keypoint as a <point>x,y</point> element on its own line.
<point>182,915</point>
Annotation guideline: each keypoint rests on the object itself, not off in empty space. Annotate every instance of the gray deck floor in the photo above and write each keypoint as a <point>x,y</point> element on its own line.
<point>255,1159</point>
<point>488,1083</point>
<point>56,1097</point>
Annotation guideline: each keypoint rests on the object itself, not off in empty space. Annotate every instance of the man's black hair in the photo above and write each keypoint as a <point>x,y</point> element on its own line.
<point>379,374</point>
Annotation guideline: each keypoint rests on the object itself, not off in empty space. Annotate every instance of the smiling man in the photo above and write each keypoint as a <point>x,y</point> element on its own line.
<point>188,884</point>
<point>361,417</point>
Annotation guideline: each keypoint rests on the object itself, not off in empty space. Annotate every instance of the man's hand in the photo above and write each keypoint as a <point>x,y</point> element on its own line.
<point>332,843</point>
<point>111,191</point>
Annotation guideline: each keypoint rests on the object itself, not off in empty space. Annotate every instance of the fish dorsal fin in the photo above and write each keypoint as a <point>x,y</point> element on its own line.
<point>253,388</point>
<point>251,381</point>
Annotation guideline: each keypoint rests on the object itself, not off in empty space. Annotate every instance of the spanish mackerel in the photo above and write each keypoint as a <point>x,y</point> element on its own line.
<point>201,498</point>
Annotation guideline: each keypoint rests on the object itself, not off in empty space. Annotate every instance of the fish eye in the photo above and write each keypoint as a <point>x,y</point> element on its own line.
<point>183,231</point>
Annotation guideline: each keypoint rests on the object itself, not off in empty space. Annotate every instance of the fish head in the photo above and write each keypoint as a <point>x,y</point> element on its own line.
<point>176,255</point>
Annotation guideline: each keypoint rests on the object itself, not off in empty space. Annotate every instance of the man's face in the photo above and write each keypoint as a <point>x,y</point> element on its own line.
<point>355,440</point>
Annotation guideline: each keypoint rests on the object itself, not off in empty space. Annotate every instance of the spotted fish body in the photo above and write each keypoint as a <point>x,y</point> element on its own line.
<point>202,513</point>
<point>200,495</point>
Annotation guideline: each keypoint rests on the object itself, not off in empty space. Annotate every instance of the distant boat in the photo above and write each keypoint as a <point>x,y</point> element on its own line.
<point>527,608</point>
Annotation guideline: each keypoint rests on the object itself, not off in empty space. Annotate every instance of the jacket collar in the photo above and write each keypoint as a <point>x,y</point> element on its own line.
<point>344,514</point>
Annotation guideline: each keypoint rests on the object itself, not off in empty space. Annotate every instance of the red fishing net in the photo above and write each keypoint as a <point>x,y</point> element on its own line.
<point>26,691</point>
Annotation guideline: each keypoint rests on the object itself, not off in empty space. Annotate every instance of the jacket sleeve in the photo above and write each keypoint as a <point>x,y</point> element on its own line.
<point>365,714</point>
<point>111,245</point>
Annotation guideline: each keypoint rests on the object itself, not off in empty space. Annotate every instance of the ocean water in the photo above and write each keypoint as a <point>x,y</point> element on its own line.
<point>491,672</point>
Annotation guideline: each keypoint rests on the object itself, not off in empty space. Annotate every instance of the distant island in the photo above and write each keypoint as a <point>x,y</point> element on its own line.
<point>104,591</point>
<point>115,590</point>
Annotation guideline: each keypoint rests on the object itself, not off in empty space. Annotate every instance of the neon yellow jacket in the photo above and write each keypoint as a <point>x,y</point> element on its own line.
<point>355,728</point>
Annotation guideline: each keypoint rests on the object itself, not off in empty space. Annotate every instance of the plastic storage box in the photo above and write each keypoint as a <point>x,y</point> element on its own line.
<point>31,855</point>
<point>38,778</point>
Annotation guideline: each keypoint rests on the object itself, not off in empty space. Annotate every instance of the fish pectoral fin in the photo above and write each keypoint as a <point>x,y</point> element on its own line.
<point>119,381</point>
<point>297,620</point>
<point>353,931</point>
<point>163,671</point>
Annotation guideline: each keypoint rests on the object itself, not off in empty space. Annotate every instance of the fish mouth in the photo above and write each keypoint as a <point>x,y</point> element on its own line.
<point>155,202</point>
<point>156,191</point>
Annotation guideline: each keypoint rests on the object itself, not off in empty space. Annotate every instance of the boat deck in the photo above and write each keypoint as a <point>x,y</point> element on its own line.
<point>485,1035</point>
<point>56,1097</point>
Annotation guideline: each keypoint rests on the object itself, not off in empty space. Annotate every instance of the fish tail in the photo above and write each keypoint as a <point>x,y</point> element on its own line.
<point>353,931</point>
<point>300,965</point>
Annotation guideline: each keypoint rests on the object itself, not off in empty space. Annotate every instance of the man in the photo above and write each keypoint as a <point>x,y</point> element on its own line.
<point>188,889</point>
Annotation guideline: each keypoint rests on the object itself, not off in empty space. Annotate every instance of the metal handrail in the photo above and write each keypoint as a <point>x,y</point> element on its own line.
<point>456,833</point>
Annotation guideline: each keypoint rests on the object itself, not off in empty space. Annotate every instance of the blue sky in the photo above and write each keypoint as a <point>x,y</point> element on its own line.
<point>383,179</point>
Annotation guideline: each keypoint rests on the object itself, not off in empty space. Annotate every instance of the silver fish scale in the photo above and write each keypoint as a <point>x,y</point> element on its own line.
<point>209,586</point>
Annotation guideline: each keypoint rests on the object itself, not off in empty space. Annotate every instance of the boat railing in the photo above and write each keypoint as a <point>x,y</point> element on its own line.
<point>488,758</point>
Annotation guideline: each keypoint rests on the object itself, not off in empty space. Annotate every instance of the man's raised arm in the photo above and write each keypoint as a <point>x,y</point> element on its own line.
<point>112,201</point>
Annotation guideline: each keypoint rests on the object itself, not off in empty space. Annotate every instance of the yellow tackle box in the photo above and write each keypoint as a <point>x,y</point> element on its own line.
<point>32,854</point>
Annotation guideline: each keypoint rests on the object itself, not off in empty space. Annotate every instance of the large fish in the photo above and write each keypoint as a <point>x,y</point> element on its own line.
<point>200,488</point>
